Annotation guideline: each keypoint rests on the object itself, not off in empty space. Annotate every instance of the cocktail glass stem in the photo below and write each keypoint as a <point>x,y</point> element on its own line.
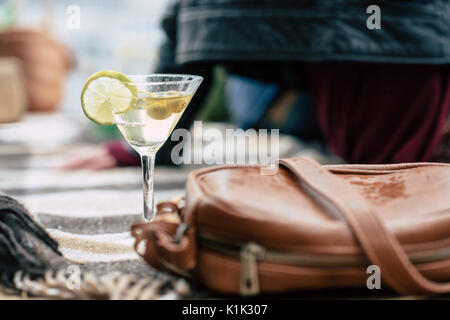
<point>148,169</point>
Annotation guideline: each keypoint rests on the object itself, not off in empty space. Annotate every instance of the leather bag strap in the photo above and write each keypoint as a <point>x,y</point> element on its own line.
<point>379,244</point>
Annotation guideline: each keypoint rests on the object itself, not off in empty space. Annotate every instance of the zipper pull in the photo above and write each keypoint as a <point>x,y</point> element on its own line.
<point>250,254</point>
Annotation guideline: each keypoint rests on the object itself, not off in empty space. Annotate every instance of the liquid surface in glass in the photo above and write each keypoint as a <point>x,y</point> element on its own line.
<point>149,123</point>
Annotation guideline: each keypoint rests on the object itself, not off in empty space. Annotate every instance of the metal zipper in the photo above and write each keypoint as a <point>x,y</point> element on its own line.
<point>250,253</point>
<point>235,248</point>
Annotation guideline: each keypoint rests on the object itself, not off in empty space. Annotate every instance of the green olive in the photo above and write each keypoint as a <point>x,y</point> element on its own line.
<point>176,105</point>
<point>158,111</point>
<point>172,93</point>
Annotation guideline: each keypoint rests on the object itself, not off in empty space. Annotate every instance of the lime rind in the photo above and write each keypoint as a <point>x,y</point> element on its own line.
<point>106,92</point>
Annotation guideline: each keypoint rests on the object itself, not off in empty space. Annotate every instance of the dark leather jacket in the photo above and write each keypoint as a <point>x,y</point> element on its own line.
<point>413,31</point>
<point>270,39</point>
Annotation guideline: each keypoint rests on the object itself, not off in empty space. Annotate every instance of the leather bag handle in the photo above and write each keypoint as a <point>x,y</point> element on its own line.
<point>379,244</point>
<point>164,247</point>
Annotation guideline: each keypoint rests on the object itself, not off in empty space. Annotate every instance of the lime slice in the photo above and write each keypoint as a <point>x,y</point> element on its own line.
<point>105,93</point>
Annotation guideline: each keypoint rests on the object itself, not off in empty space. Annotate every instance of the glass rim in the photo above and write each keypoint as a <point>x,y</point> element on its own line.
<point>192,78</point>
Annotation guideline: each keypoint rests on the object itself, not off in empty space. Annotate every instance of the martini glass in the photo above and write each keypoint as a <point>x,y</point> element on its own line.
<point>159,102</point>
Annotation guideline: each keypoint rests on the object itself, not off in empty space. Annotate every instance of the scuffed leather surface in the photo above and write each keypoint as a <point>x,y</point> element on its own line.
<point>400,210</point>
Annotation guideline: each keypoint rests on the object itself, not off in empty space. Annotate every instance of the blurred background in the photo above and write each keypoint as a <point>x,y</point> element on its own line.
<point>89,36</point>
<point>337,89</point>
<point>121,35</point>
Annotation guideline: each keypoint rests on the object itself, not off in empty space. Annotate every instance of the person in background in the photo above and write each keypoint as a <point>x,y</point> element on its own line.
<point>379,95</point>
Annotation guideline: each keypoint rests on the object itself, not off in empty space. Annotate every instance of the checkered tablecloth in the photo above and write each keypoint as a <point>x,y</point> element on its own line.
<point>88,213</point>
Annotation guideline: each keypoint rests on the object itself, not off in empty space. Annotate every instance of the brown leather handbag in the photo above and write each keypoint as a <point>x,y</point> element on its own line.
<point>307,227</point>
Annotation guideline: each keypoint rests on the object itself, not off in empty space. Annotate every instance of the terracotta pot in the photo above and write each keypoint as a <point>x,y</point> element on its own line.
<point>46,63</point>
<point>12,93</point>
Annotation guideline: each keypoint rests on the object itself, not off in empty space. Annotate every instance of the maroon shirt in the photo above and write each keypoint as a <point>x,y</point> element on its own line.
<point>381,113</point>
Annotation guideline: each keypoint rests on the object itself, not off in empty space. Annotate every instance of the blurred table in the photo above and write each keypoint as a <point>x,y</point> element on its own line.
<point>90,213</point>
